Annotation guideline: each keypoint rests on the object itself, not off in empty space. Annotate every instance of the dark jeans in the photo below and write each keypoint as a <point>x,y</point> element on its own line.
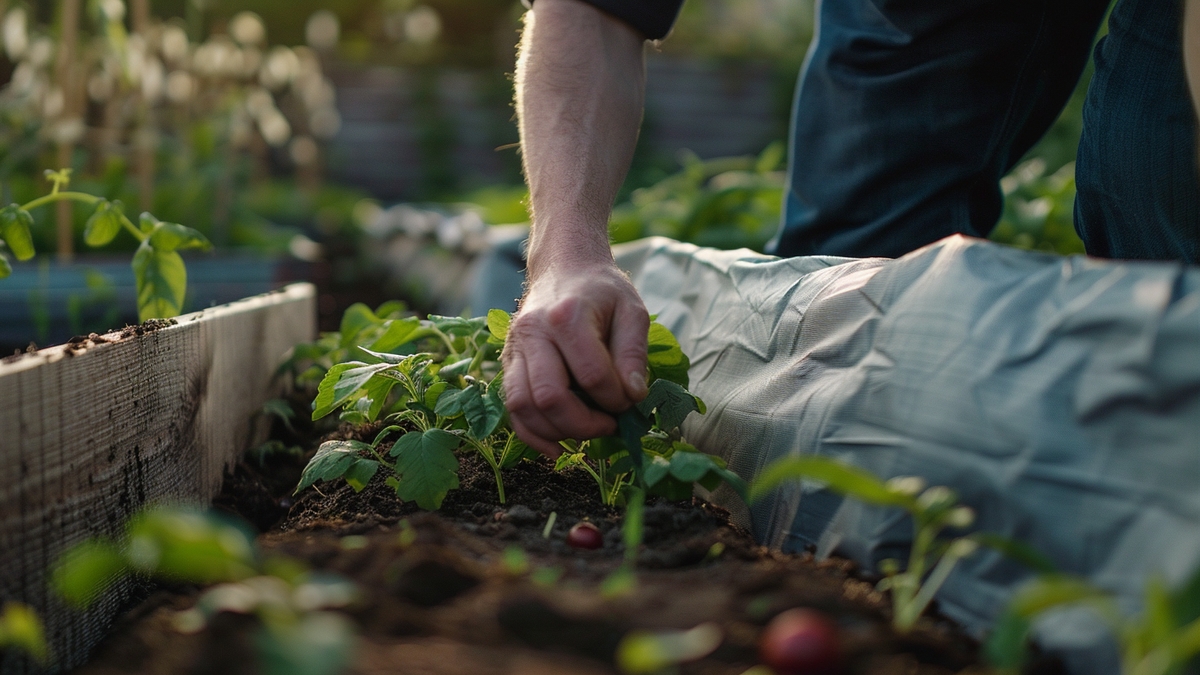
<point>908,113</point>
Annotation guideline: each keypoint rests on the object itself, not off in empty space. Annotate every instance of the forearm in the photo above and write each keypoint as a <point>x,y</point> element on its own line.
<point>580,85</point>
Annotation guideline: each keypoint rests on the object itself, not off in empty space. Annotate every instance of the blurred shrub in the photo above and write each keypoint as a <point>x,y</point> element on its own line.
<point>1038,209</point>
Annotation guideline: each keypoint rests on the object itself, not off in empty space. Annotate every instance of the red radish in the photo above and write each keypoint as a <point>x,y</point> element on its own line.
<point>801,642</point>
<point>585,535</point>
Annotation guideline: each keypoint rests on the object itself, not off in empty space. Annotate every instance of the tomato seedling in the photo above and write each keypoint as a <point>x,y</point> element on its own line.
<point>1161,640</point>
<point>158,269</point>
<point>933,510</point>
<point>298,633</point>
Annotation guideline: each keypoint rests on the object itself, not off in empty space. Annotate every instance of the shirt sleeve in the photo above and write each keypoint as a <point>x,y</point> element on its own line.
<point>652,18</point>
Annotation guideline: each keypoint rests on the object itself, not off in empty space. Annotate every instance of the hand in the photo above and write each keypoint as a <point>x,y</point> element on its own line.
<point>583,327</point>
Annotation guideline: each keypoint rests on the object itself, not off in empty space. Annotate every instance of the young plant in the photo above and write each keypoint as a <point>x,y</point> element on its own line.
<point>158,269</point>
<point>21,630</point>
<point>649,451</point>
<point>298,634</point>
<point>1162,640</point>
<point>360,327</point>
<point>933,510</point>
<point>440,399</point>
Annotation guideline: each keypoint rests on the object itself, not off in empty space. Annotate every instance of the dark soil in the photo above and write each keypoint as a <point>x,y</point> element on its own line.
<point>439,598</point>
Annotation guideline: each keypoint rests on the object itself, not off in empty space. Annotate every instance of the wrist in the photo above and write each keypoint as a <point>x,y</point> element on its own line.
<point>572,250</point>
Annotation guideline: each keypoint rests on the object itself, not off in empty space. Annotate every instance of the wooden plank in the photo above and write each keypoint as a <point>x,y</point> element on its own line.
<point>88,438</point>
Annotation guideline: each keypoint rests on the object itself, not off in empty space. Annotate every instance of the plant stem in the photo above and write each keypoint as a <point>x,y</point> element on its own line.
<point>62,196</point>
<point>928,589</point>
<point>490,458</point>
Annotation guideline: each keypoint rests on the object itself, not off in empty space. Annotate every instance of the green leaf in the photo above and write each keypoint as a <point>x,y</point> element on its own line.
<point>841,478</point>
<point>355,319</point>
<point>690,467</point>
<point>147,222</point>
<point>735,481</point>
<point>161,282</point>
<point>1006,646</point>
<point>173,236</point>
<point>391,309</point>
<point>376,391</point>
<point>665,357</point>
<point>334,459</point>
<point>670,404</point>
<point>1048,591</point>
<point>396,333</point>
<point>1017,550</point>
<point>15,224</point>
<point>317,643</point>
<point>360,473</point>
<point>455,369</point>
<point>187,545</point>
<point>632,530</point>
<point>103,225</point>
<point>86,570</point>
<point>434,392</point>
<point>21,628</point>
<point>631,426</point>
<point>341,383</point>
<point>457,325</point>
<point>5,267</point>
<point>498,321</point>
<point>427,466</point>
<point>656,469</point>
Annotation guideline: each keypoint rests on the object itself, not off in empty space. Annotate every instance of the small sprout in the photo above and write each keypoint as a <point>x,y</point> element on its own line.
<point>715,551</point>
<point>20,628</point>
<point>936,497</point>
<point>408,534</point>
<point>60,178</point>
<point>584,535</point>
<point>546,576</point>
<point>906,485</point>
<point>549,525</point>
<point>801,641</point>
<point>621,582</point>
<point>889,566</point>
<point>514,561</point>
<point>354,542</point>
<point>962,516</point>
<point>653,651</point>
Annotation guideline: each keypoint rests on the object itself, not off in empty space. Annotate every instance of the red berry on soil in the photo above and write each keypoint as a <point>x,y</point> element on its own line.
<point>801,642</point>
<point>585,535</point>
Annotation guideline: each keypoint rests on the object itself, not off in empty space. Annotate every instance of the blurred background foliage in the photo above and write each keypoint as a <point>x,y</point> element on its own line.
<point>226,115</point>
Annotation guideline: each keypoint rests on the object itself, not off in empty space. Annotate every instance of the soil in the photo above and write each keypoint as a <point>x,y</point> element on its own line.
<point>439,598</point>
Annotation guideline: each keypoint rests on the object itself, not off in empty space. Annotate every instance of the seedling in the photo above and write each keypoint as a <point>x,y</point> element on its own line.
<point>439,385</point>
<point>176,544</point>
<point>1162,640</point>
<point>158,269</point>
<point>21,630</point>
<point>933,510</point>
<point>643,652</point>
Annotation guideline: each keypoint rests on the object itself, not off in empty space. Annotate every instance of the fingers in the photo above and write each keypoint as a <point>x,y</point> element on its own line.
<point>627,343</point>
<point>578,334</point>
<point>542,408</point>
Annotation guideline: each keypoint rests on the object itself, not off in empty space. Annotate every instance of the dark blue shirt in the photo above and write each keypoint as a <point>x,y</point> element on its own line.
<point>652,18</point>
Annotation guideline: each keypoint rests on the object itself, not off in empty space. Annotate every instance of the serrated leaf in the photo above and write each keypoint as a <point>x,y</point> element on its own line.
<point>87,570</point>
<point>427,466</point>
<point>15,224</point>
<point>355,319</point>
<point>173,237</point>
<point>670,404</point>
<point>498,322</point>
<point>334,459</point>
<point>690,467</point>
<point>398,332</point>
<point>841,478</point>
<point>161,282</point>
<point>341,383</point>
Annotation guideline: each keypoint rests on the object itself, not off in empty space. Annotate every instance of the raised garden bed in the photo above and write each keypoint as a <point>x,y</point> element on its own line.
<point>97,428</point>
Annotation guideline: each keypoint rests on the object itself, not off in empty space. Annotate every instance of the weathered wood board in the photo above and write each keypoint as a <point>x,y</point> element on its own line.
<point>90,435</point>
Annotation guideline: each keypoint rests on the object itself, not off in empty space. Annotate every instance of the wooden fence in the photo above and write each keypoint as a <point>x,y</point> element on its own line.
<point>91,433</point>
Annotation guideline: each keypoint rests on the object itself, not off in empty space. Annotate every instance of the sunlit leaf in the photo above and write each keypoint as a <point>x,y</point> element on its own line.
<point>427,466</point>
<point>498,321</point>
<point>665,357</point>
<point>15,224</point>
<point>839,477</point>
<point>85,571</point>
<point>341,383</point>
<point>355,319</point>
<point>173,237</point>
<point>397,332</point>
<point>161,282</point>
